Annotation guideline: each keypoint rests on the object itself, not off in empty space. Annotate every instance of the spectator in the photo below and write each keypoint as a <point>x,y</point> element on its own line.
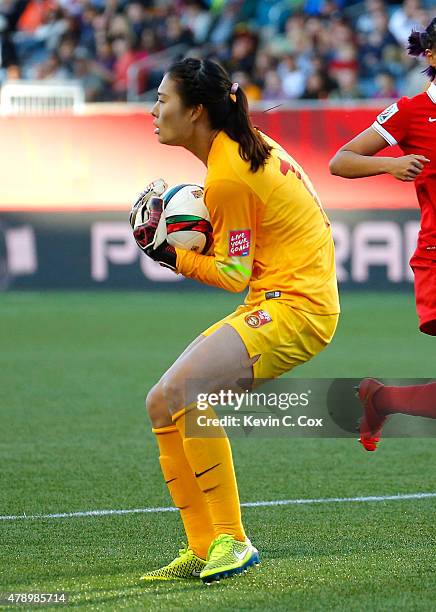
<point>119,27</point>
<point>84,73</point>
<point>135,14</point>
<point>272,89</point>
<point>149,42</point>
<point>365,23</point>
<point>292,37</point>
<point>51,69</point>
<point>223,27</point>
<point>197,19</point>
<point>318,87</point>
<point>53,26</point>
<point>385,86</point>
<point>293,79</point>
<point>103,66</point>
<point>291,48</point>
<point>176,33</point>
<point>9,68</point>
<point>34,15</point>
<point>264,62</point>
<point>404,20</point>
<point>243,52</point>
<point>347,86</point>
<point>87,33</point>
<point>126,55</point>
<point>66,54</point>
<point>377,46</point>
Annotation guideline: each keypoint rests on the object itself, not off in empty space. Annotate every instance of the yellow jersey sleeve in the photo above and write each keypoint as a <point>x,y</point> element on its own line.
<point>232,212</point>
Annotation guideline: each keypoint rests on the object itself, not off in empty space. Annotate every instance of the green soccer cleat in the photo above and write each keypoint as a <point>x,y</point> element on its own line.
<point>186,565</point>
<point>227,557</point>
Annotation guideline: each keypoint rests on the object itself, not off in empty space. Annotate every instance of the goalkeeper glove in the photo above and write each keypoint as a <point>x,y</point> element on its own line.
<point>139,213</point>
<point>151,235</point>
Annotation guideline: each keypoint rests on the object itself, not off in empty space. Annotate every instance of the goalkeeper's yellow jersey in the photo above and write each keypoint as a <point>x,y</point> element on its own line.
<point>270,232</point>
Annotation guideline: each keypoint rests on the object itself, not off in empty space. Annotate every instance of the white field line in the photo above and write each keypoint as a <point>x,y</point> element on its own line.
<point>256,504</point>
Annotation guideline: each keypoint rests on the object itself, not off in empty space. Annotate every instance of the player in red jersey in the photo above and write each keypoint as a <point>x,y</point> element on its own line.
<point>410,123</point>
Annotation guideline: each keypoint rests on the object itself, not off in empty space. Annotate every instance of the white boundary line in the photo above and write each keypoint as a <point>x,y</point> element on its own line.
<point>257,504</point>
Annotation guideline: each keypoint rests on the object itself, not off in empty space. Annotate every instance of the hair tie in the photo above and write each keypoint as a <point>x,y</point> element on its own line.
<point>233,90</point>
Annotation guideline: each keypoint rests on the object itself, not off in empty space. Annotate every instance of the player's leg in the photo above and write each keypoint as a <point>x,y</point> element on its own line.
<point>155,402</point>
<point>216,363</point>
<point>277,339</point>
<point>415,400</point>
<point>372,421</point>
<point>182,484</point>
<point>380,401</point>
<point>270,341</point>
<point>424,272</point>
<point>183,488</point>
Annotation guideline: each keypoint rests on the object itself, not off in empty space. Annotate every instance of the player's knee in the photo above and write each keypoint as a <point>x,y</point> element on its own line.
<point>174,390</point>
<point>156,407</point>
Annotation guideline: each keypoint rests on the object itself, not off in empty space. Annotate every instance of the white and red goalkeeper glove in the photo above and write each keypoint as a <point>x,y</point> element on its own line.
<point>139,213</point>
<point>149,226</point>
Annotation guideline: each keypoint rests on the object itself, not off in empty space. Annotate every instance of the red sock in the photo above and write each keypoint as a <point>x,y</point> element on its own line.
<point>418,400</point>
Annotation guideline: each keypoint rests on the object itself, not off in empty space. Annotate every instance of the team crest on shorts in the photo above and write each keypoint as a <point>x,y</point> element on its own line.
<point>258,318</point>
<point>239,243</point>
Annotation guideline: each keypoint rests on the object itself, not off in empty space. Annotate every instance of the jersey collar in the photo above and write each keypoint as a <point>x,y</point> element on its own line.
<point>431,91</point>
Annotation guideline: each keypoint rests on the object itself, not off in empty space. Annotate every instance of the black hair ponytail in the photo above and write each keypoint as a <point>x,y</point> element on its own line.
<point>206,82</point>
<point>419,42</point>
<point>252,147</point>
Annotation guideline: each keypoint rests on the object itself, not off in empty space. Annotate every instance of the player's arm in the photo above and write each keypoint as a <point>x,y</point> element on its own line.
<point>233,218</point>
<point>355,159</point>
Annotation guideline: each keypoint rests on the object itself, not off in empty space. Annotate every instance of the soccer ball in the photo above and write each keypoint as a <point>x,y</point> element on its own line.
<point>187,218</point>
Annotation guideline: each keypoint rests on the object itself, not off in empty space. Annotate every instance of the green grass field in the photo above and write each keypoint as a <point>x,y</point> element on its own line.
<point>74,437</point>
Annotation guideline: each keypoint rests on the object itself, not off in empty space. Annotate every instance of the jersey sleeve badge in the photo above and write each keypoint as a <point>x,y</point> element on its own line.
<point>387,113</point>
<point>239,243</point>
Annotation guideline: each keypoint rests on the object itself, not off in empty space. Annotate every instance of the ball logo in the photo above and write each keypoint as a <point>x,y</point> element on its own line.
<point>258,318</point>
<point>197,193</point>
<point>239,243</point>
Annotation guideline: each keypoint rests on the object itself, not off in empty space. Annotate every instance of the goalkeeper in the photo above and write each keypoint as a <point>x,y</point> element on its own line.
<point>270,235</point>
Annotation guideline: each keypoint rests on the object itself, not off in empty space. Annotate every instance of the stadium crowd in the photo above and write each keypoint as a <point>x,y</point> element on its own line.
<point>276,49</point>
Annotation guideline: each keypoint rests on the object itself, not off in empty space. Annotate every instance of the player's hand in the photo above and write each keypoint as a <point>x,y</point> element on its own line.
<point>165,255</point>
<point>407,167</point>
<point>139,212</point>
<point>151,235</point>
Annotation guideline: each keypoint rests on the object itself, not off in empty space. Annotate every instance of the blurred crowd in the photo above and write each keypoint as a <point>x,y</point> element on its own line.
<point>276,49</point>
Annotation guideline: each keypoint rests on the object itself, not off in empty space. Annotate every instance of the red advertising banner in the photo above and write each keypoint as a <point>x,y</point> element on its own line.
<point>101,162</point>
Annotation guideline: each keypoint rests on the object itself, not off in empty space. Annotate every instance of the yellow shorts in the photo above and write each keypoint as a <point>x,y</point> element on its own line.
<point>283,336</point>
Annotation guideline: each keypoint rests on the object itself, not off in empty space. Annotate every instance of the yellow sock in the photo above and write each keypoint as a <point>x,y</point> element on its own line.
<point>211,461</point>
<point>184,490</point>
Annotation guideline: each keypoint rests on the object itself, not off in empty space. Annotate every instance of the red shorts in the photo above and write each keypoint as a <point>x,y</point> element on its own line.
<point>425,293</point>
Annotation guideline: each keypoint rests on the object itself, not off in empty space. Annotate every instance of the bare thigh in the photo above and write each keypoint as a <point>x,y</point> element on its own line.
<point>210,363</point>
<point>190,347</point>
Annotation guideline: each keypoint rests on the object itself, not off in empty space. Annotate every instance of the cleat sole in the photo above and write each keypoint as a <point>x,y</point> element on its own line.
<point>237,571</point>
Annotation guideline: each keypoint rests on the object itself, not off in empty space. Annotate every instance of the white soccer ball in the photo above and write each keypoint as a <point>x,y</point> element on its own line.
<point>187,218</point>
